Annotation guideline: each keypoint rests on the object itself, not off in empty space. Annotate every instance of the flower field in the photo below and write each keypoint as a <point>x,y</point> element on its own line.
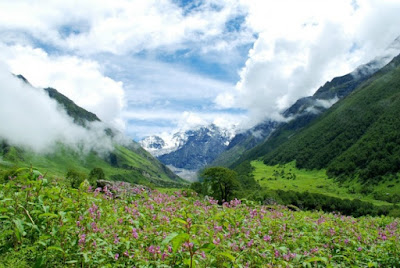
<point>47,224</point>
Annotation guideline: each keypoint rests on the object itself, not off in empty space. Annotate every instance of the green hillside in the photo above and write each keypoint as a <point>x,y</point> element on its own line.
<point>127,162</point>
<point>338,88</point>
<point>79,114</point>
<point>287,177</point>
<point>358,136</point>
<point>123,164</point>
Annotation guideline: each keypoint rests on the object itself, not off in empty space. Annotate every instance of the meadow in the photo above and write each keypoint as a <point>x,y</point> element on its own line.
<point>45,223</point>
<point>288,177</point>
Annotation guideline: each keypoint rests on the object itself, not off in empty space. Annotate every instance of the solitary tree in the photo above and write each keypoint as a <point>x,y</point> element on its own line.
<point>95,175</point>
<point>75,177</point>
<point>222,181</point>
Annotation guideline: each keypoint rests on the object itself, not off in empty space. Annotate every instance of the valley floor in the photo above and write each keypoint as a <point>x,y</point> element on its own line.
<point>47,224</point>
<point>288,177</point>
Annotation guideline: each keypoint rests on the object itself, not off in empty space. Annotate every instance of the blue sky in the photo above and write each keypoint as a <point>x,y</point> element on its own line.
<point>148,67</point>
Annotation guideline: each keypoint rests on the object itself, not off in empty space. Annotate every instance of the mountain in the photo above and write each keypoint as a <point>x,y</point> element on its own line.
<point>187,152</point>
<point>305,110</point>
<point>358,136</point>
<point>127,161</point>
<point>80,115</point>
<point>302,112</point>
<point>341,86</point>
<point>158,146</point>
<point>244,141</point>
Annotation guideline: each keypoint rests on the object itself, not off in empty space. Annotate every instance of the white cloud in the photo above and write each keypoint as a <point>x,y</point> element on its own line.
<point>297,46</point>
<point>121,26</point>
<point>181,121</point>
<point>80,80</point>
<point>32,120</point>
<point>302,44</point>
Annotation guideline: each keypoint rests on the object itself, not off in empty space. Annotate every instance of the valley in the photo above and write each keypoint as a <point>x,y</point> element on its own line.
<point>288,177</point>
<point>199,134</point>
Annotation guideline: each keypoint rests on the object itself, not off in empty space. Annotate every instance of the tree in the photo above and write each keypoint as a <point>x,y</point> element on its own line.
<point>197,187</point>
<point>95,175</point>
<point>75,178</point>
<point>223,182</point>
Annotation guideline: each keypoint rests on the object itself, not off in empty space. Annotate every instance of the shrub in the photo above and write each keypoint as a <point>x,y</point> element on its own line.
<point>75,178</point>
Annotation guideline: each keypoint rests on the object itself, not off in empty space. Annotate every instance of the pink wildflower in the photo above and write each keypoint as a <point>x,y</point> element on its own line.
<point>267,238</point>
<point>216,241</point>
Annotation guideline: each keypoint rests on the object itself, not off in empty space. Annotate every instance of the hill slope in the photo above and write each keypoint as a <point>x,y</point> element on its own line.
<point>244,141</point>
<point>127,161</point>
<point>307,109</point>
<point>358,135</point>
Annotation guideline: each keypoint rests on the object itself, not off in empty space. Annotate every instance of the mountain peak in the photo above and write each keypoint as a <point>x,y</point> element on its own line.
<point>80,115</point>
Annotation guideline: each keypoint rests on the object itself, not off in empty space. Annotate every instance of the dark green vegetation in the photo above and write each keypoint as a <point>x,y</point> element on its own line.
<point>218,182</point>
<point>288,177</point>
<point>299,189</point>
<point>45,223</point>
<point>359,136</point>
<point>80,115</point>
<point>348,154</point>
<point>302,113</point>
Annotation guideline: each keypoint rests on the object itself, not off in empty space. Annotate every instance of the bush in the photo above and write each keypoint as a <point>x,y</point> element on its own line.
<point>95,175</point>
<point>75,178</point>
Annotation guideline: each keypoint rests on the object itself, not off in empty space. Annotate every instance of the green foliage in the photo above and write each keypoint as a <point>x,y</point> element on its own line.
<point>95,175</point>
<point>315,201</point>
<point>222,183</point>
<point>198,187</point>
<point>358,136</point>
<point>129,161</point>
<point>134,165</point>
<point>46,224</point>
<point>75,178</point>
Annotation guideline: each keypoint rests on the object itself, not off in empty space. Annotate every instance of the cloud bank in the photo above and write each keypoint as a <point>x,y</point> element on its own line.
<point>79,79</point>
<point>301,45</point>
<point>171,58</point>
<point>30,119</point>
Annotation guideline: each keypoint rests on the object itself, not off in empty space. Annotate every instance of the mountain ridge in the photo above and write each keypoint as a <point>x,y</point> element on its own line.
<point>127,161</point>
<point>358,136</point>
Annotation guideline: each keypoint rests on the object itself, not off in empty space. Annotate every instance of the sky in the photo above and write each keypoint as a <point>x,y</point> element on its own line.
<point>151,67</point>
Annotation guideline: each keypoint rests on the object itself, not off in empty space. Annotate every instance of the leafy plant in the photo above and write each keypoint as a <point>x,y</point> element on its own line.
<point>44,223</point>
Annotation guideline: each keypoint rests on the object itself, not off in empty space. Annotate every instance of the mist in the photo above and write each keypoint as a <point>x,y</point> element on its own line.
<point>32,120</point>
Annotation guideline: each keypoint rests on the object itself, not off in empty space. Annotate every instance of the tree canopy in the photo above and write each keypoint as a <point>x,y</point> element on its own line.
<point>221,182</point>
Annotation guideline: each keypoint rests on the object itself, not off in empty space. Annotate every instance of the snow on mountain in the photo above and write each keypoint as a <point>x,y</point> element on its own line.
<point>164,143</point>
<point>188,151</point>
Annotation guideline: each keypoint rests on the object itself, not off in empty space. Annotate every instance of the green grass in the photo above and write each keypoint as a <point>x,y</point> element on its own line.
<point>132,166</point>
<point>45,223</point>
<point>280,177</point>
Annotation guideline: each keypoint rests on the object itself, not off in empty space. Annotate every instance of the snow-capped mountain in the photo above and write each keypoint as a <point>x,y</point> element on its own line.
<point>160,145</point>
<point>190,150</point>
